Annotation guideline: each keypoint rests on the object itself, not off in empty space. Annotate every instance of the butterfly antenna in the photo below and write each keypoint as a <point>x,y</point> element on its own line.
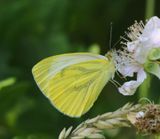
<point>110,36</point>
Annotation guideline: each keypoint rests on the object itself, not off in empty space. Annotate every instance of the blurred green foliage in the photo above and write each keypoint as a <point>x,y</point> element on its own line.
<point>31,30</point>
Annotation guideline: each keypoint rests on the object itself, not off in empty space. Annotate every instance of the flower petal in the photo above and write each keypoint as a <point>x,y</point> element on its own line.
<point>129,70</point>
<point>151,34</point>
<point>129,88</point>
<point>151,25</point>
<point>145,42</point>
<point>141,75</point>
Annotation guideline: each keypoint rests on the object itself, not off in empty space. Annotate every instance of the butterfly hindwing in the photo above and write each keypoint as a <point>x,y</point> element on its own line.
<point>72,82</point>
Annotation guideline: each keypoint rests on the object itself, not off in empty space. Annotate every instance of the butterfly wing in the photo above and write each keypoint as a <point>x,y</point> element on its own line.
<point>72,82</point>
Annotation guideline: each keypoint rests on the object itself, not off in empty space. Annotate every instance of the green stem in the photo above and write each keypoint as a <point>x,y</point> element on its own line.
<point>145,87</point>
<point>150,6</point>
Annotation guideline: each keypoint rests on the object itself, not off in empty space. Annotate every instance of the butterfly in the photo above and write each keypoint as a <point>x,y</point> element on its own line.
<point>72,82</point>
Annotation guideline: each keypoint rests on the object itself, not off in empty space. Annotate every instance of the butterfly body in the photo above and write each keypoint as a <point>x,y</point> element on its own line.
<point>72,82</point>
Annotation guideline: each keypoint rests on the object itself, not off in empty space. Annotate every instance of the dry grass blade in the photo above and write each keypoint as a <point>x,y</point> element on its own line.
<point>93,128</point>
<point>145,118</point>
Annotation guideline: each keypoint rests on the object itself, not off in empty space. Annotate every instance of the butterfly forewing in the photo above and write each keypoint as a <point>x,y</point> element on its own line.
<point>72,82</point>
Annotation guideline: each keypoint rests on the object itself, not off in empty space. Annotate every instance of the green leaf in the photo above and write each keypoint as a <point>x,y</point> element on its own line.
<point>7,82</point>
<point>152,68</point>
<point>154,54</point>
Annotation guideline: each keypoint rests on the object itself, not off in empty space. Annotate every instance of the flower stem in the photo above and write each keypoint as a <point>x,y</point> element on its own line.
<point>145,87</point>
<point>150,6</point>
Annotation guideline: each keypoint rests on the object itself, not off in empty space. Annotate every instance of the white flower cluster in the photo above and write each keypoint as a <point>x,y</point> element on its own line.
<point>140,54</point>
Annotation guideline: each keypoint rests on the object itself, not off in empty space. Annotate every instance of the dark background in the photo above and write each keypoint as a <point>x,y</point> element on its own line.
<point>31,30</point>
